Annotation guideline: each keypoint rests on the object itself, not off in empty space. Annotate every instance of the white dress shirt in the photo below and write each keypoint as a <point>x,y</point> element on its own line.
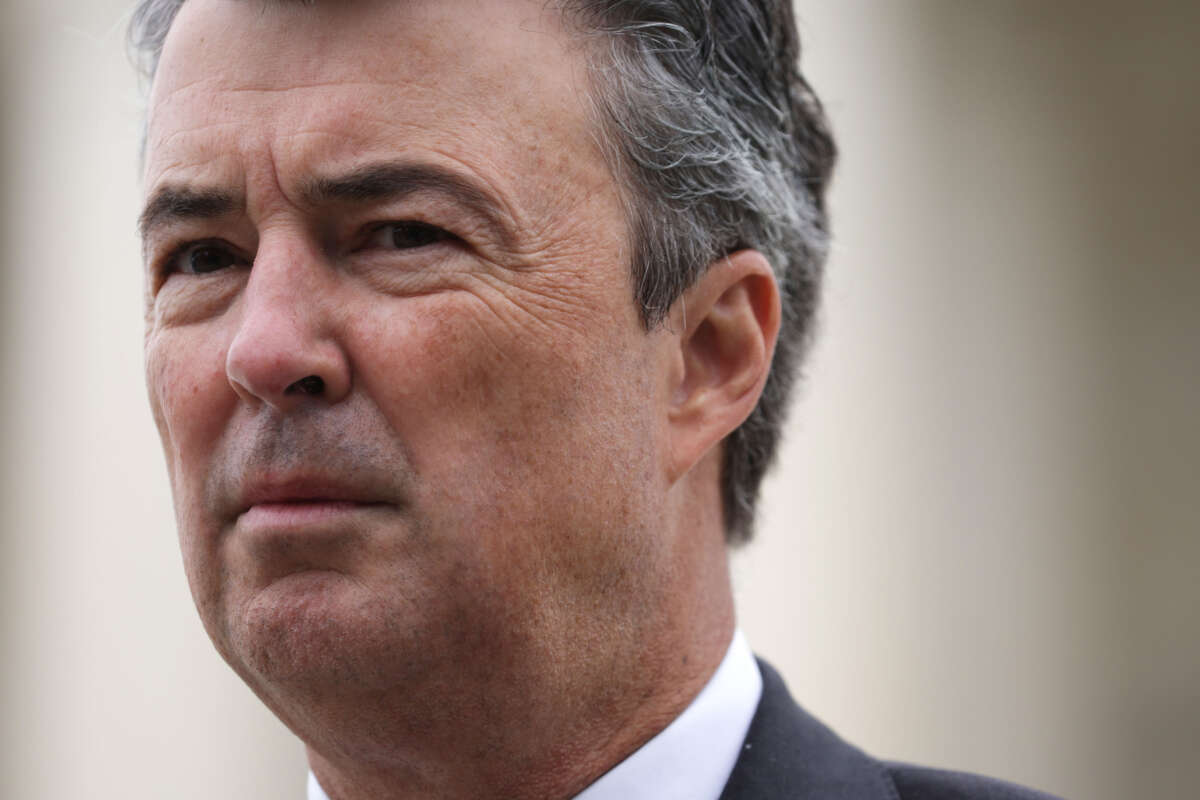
<point>692,757</point>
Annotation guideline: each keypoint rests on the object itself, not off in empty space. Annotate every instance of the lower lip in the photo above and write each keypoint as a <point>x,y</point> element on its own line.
<point>299,514</point>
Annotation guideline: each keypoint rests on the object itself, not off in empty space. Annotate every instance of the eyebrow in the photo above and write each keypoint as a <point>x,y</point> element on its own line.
<point>180,203</point>
<point>395,180</point>
<point>371,183</point>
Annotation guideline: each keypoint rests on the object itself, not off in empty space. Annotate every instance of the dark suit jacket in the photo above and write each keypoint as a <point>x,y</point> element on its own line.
<point>788,755</point>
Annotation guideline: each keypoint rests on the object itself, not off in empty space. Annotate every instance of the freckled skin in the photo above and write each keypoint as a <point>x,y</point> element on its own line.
<point>534,599</point>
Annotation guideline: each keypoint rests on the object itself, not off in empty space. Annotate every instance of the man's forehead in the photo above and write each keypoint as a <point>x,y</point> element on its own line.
<point>243,44</point>
<point>329,85</point>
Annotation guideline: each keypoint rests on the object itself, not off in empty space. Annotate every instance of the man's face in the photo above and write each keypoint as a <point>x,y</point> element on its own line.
<point>404,204</point>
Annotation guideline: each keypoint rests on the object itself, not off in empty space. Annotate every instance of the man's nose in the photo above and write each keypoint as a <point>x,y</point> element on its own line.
<point>287,351</point>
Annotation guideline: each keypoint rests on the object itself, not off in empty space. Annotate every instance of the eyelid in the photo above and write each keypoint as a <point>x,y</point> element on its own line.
<point>376,229</point>
<point>165,265</point>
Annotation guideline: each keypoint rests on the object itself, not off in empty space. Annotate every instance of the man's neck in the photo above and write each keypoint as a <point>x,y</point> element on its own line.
<point>551,749</point>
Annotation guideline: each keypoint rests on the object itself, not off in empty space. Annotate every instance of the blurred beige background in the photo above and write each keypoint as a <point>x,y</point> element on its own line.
<point>983,548</point>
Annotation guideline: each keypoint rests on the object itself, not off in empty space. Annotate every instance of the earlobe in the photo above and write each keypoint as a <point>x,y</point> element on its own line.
<point>726,341</point>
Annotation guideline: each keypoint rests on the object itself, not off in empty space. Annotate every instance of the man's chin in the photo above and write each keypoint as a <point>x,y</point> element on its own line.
<point>319,630</point>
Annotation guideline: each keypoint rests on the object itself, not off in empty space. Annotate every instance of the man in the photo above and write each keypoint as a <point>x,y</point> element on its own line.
<point>470,327</point>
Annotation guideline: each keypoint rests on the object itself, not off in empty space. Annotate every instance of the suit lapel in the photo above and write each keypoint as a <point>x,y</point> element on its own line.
<point>789,755</point>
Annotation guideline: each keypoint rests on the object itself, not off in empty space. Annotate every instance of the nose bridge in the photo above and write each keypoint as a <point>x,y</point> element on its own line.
<point>286,347</point>
<point>280,290</point>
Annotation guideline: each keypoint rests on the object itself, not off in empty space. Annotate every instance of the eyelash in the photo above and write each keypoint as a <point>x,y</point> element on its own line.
<point>426,234</point>
<point>170,264</point>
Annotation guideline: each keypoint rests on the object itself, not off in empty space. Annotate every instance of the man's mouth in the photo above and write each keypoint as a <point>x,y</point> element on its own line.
<point>302,501</point>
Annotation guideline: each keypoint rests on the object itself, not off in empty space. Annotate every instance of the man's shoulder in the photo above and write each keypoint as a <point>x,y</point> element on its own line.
<point>923,783</point>
<point>790,755</point>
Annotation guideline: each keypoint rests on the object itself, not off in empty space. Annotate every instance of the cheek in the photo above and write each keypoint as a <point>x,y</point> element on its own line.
<point>190,398</point>
<point>512,429</point>
<point>192,401</point>
<point>456,381</point>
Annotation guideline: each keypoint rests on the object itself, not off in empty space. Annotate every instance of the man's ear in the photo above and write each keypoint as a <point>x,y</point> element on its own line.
<point>728,322</point>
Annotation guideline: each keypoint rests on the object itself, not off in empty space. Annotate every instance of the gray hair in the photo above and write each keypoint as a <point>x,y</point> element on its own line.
<point>719,144</point>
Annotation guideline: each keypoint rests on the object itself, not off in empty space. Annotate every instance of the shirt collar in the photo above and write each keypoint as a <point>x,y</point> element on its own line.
<point>315,792</point>
<point>691,758</point>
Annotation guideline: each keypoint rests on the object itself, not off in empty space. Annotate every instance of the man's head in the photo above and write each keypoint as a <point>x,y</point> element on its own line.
<point>446,348</point>
<point>718,143</point>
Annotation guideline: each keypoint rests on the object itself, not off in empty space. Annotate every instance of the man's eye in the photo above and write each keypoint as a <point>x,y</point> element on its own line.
<point>408,235</point>
<point>202,259</point>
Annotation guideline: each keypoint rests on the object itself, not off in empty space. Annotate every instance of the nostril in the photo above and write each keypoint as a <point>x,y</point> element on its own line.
<point>313,385</point>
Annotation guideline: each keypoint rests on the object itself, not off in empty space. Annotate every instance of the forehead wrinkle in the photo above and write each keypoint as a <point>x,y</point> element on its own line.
<point>156,146</point>
<point>181,93</point>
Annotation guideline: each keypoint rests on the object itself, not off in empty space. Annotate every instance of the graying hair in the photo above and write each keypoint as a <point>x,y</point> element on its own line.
<point>720,144</point>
